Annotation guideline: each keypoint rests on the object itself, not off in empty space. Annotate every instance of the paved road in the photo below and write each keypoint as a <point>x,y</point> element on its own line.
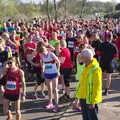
<point>34,109</point>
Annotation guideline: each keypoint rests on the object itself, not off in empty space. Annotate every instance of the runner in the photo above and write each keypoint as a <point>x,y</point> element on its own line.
<point>66,68</point>
<point>51,67</point>
<point>10,86</point>
<point>107,51</point>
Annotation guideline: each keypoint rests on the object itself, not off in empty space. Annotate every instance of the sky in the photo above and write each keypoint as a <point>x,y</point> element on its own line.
<point>106,0</point>
<point>37,1</point>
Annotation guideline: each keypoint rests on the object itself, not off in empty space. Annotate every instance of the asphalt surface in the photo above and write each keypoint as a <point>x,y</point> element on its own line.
<point>33,109</point>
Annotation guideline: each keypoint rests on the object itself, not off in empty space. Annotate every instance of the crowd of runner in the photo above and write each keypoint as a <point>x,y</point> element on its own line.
<point>47,52</point>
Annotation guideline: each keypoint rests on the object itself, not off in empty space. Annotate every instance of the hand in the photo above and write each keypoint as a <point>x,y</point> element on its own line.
<point>58,74</point>
<point>91,106</point>
<point>23,98</point>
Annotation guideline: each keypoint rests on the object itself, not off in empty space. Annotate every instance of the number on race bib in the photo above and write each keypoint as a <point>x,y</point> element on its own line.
<point>11,85</point>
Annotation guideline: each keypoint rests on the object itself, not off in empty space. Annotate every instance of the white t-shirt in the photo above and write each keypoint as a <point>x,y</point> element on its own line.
<point>49,64</point>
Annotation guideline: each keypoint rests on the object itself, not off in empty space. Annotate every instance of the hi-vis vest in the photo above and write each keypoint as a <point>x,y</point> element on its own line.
<point>89,89</point>
<point>90,84</point>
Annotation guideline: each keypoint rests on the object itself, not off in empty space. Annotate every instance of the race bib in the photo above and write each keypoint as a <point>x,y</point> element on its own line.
<point>11,85</point>
<point>48,67</point>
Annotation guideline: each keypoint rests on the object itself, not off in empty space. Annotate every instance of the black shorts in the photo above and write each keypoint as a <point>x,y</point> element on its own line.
<point>66,72</point>
<point>12,97</point>
<point>30,68</point>
<point>40,78</point>
<point>106,67</point>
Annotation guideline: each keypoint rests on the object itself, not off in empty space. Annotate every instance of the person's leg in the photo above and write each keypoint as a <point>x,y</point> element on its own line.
<point>18,112</point>
<point>109,80</point>
<point>84,109</point>
<point>6,109</point>
<point>61,85</point>
<point>41,82</point>
<point>43,88</point>
<point>67,81</point>
<point>50,94</point>
<point>109,71</point>
<point>5,105</point>
<point>92,114</point>
<point>76,105</point>
<point>66,95</point>
<point>36,85</point>
<point>55,90</point>
<point>35,90</point>
<point>108,83</point>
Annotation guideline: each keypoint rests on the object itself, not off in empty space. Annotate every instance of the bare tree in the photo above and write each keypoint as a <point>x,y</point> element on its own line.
<point>65,8</point>
<point>48,15</point>
<point>55,9</point>
<point>82,8</point>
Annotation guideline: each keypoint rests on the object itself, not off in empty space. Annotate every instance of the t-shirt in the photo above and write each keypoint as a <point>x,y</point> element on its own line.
<point>70,43</point>
<point>49,63</point>
<point>37,59</point>
<point>68,61</point>
<point>29,48</point>
<point>95,44</point>
<point>53,42</point>
<point>30,45</point>
<point>107,51</point>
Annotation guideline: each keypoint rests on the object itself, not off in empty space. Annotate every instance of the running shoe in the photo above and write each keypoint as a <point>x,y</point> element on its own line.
<point>55,109</point>
<point>76,109</point>
<point>49,106</point>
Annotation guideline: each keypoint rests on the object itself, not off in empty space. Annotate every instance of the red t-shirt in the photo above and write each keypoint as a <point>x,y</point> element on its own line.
<point>37,60</point>
<point>29,46</point>
<point>68,61</point>
<point>12,82</point>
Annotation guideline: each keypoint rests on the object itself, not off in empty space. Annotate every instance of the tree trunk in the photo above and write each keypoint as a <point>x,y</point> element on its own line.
<point>55,9</point>
<point>82,8</point>
<point>48,15</point>
<point>65,8</point>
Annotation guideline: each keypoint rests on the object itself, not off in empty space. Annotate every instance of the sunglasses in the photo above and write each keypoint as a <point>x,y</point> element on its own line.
<point>9,63</point>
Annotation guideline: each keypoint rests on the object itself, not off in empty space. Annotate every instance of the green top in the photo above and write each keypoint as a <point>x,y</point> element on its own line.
<point>53,42</point>
<point>1,26</point>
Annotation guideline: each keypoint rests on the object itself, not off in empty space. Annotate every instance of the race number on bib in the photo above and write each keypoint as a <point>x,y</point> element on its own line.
<point>11,85</point>
<point>48,67</point>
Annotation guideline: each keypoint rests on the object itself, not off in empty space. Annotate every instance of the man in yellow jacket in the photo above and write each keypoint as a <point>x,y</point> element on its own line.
<point>90,88</point>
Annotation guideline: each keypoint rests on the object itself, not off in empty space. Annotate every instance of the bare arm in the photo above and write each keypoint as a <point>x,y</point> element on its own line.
<point>23,82</point>
<point>57,61</point>
<point>30,58</point>
<point>13,43</point>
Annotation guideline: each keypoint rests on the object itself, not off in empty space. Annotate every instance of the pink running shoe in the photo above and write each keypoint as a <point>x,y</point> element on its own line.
<point>49,106</point>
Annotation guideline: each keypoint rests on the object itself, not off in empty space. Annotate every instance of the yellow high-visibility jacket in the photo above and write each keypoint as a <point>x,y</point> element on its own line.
<point>90,87</point>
